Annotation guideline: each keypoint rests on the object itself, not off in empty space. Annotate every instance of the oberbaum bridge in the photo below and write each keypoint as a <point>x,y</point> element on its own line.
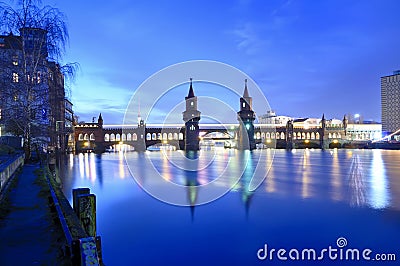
<point>192,135</point>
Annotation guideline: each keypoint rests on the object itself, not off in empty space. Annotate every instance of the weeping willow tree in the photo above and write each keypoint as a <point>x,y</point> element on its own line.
<point>31,75</point>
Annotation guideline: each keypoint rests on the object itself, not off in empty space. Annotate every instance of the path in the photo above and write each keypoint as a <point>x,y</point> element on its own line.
<point>28,235</point>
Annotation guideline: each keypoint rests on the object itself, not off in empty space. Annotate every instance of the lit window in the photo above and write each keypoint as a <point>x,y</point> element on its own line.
<point>15,77</point>
<point>244,105</point>
<point>191,103</point>
<point>38,77</point>
<point>15,60</point>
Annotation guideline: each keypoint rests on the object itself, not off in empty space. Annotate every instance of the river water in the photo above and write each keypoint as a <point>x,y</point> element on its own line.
<point>309,200</point>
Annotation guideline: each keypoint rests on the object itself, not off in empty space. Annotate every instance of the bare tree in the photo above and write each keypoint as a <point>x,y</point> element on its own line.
<point>32,80</point>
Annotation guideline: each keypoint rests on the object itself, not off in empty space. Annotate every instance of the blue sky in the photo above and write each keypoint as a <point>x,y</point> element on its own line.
<point>308,57</point>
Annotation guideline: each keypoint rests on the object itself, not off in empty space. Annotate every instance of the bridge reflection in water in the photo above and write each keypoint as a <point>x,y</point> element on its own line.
<point>310,196</point>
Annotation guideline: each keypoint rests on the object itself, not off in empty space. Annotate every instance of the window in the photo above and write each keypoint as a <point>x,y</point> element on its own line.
<point>91,136</point>
<point>129,137</point>
<point>191,103</point>
<point>148,136</point>
<point>134,137</point>
<point>86,137</point>
<point>244,105</point>
<point>107,137</point>
<point>15,77</point>
<point>80,137</point>
<point>15,60</point>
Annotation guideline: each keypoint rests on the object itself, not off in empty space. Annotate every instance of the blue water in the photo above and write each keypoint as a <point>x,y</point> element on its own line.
<point>309,199</point>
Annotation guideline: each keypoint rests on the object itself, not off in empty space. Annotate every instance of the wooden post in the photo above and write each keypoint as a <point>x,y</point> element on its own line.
<point>87,213</point>
<point>75,193</point>
<point>88,251</point>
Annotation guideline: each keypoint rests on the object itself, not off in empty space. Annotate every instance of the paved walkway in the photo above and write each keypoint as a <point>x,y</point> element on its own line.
<point>28,235</point>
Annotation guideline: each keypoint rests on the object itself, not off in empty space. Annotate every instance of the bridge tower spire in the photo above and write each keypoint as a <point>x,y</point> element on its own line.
<point>323,140</point>
<point>246,117</point>
<point>191,116</point>
<point>140,132</point>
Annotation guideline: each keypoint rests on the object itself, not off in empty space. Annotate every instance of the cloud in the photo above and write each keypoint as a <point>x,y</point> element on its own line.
<point>248,38</point>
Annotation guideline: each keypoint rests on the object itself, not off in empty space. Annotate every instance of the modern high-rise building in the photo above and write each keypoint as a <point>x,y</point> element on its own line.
<point>390,102</point>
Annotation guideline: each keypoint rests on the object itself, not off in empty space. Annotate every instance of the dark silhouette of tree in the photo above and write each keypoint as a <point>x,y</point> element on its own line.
<point>31,78</point>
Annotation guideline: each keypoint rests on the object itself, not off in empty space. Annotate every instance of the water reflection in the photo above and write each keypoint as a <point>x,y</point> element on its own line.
<point>191,180</point>
<point>379,191</point>
<point>336,180</point>
<point>306,193</point>
<point>356,183</point>
<point>358,177</point>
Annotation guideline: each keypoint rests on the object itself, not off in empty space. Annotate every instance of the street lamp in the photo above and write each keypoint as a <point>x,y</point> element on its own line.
<point>58,132</point>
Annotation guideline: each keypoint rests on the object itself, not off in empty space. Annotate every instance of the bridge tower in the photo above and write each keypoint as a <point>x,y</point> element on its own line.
<point>141,133</point>
<point>345,123</point>
<point>323,138</point>
<point>191,116</point>
<point>246,117</point>
<point>289,135</point>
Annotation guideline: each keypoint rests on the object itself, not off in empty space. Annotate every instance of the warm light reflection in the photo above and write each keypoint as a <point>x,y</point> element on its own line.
<point>71,161</point>
<point>81,166</point>
<point>92,168</point>
<point>86,165</point>
<point>379,191</point>
<point>166,167</point>
<point>121,165</point>
<point>270,181</point>
<point>305,191</point>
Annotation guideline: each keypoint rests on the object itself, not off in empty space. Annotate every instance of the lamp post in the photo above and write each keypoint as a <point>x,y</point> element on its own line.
<point>58,133</point>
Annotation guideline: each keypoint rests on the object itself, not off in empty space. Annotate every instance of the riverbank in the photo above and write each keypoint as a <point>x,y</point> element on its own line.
<point>28,231</point>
